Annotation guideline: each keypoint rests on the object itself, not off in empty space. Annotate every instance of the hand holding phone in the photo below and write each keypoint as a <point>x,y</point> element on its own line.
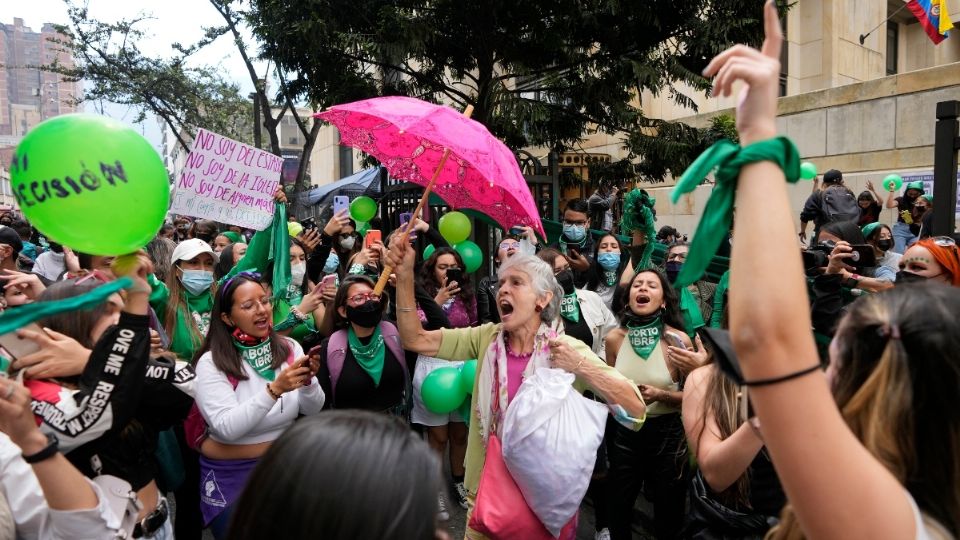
<point>404,220</point>
<point>309,223</point>
<point>454,274</point>
<point>373,236</point>
<point>675,340</point>
<point>341,203</point>
<point>19,347</point>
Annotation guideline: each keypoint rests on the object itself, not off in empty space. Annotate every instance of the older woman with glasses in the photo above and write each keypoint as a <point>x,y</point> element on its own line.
<point>487,287</point>
<point>528,302</point>
<point>362,365</point>
<point>252,384</point>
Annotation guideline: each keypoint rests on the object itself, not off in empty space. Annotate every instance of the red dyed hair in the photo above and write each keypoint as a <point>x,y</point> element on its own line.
<point>947,257</point>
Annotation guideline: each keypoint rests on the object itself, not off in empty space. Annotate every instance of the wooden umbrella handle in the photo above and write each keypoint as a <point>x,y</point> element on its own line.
<point>405,233</point>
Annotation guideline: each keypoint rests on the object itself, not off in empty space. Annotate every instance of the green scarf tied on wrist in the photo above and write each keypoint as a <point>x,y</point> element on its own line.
<point>638,216</point>
<point>727,158</point>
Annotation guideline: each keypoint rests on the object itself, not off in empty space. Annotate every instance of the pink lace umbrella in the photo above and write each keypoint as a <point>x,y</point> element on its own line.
<point>419,141</point>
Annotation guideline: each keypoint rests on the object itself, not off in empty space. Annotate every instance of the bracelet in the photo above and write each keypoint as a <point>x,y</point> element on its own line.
<point>53,446</point>
<point>273,394</point>
<point>580,363</point>
<point>405,309</point>
<point>297,314</point>
<point>782,378</point>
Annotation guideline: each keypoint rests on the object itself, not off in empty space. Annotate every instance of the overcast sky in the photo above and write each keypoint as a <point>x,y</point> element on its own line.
<point>173,21</point>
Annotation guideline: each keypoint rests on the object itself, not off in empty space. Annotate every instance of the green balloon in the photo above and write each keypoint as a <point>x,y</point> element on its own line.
<point>464,410</point>
<point>471,255</point>
<point>428,251</point>
<point>441,390</point>
<point>808,171</point>
<point>362,227</point>
<point>91,183</point>
<point>455,227</point>
<point>363,208</point>
<point>892,182</point>
<point>468,374</point>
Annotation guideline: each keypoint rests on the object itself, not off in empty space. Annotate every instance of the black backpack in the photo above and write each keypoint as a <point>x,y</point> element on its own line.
<point>838,203</point>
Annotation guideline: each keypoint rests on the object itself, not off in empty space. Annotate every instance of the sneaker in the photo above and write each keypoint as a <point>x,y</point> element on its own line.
<point>461,492</point>
<point>442,513</point>
<point>602,534</point>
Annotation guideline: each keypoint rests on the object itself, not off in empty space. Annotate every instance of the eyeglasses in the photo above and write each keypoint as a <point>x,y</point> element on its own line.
<point>509,244</point>
<point>263,301</point>
<point>447,267</point>
<point>362,298</point>
<point>575,223</point>
<point>95,274</point>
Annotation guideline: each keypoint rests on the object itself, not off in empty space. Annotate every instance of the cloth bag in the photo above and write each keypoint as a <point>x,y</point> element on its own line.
<point>550,438</point>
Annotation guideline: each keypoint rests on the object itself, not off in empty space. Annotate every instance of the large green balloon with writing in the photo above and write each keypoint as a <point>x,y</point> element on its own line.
<point>91,183</point>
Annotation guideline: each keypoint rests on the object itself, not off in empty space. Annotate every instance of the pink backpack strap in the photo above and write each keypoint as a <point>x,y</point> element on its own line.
<point>336,354</point>
<point>391,337</point>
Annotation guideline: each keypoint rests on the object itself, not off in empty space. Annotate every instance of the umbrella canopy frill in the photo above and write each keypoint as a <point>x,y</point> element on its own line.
<point>408,136</point>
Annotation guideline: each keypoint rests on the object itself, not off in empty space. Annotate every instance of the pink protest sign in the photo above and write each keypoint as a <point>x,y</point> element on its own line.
<point>227,181</point>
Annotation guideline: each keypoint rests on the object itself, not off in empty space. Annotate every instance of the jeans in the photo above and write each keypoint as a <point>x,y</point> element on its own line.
<point>902,237</point>
<point>653,460</point>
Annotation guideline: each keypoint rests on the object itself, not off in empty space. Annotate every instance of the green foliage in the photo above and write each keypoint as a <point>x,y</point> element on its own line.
<point>109,60</point>
<point>538,72</point>
<point>670,147</point>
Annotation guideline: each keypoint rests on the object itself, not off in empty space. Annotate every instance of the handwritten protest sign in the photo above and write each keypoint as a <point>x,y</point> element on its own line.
<point>227,181</point>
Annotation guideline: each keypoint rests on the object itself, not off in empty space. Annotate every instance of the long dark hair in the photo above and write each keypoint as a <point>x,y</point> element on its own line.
<point>595,272</point>
<point>428,279</point>
<point>345,460</point>
<point>224,262</point>
<point>75,324</point>
<point>671,301</point>
<point>219,340</point>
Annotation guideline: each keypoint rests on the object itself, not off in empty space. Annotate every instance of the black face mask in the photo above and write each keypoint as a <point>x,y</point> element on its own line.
<point>909,277</point>
<point>565,279</point>
<point>884,245</point>
<point>366,315</point>
<point>673,270</point>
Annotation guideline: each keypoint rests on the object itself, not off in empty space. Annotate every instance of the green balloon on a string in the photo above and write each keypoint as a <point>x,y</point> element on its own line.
<point>808,171</point>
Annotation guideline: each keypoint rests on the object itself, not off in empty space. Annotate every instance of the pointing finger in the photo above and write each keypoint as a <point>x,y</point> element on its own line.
<point>773,36</point>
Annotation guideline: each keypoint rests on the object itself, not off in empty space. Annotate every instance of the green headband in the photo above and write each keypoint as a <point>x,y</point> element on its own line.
<point>232,236</point>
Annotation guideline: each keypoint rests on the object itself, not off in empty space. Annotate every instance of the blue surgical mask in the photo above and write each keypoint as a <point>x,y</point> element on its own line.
<point>333,262</point>
<point>574,233</point>
<point>196,281</point>
<point>609,260</point>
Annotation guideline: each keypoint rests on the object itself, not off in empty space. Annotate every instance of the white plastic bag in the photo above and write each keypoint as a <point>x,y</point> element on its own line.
<point>550,436</point>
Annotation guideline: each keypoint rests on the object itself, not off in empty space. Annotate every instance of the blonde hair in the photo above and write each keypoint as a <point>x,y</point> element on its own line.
<point>893,349</point>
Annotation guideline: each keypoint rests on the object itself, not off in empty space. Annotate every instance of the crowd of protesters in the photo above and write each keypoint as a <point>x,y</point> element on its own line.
<point>224,390</point>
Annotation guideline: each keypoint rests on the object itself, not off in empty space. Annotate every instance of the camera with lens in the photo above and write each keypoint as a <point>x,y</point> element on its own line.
<point>818,256</point>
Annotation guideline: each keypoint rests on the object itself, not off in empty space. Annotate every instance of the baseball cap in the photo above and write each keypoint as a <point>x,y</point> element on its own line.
<point>189,249</point>
<point>833,176</point>
<point>11,238</point>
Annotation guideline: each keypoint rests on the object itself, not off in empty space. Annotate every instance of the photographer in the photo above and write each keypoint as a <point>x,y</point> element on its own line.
<point>831,260</point>
<point>601,205</point>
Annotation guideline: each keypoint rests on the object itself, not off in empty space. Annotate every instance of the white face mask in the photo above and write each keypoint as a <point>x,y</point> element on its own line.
<point>297,272</point>
<point>347,243</point>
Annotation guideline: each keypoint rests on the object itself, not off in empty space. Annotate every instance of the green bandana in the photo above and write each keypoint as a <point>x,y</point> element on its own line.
<point>570,307</point>
<point>610,277</point>
<point>13,319</point>
<point>638,216</point>
<point>692,318</point>
<point>369,356</point>
<point>260,358</point>
<point>727,158</point>
<point>644,339</point>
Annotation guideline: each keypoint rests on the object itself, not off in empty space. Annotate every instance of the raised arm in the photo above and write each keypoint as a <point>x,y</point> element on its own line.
<point>401,257</point>
<point>829,477</point>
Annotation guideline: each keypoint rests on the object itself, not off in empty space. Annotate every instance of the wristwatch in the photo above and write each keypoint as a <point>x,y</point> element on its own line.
<point>53,446</point>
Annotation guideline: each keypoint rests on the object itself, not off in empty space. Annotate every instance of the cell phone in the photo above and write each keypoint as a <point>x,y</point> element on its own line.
<point>341,203</point>
<point>675,340</point>
<point>863,256</point>
<point>404,219</point>
<point>455,274</point>
<point>573,248</point>
<point>17,346</point>
<point>373,235</point>
<point>309,223</point>
<point>516,231</point>
<point>330,279</point>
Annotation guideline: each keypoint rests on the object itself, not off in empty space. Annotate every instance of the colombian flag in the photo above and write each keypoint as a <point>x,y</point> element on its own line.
<point>933,16</point>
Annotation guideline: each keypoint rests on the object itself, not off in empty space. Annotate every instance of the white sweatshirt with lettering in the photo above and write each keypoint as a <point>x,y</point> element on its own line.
<point>248,414</point>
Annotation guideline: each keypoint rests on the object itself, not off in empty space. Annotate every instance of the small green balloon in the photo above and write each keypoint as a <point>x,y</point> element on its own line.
<point>468,374</point>
<point>892,182</point>
<point>428,251</point>
<point>471,255</point>
<point>441,390</point>
<point>455,227</point>
<point>91,183</point>
<point>363,208</point>
<point>808,171</point>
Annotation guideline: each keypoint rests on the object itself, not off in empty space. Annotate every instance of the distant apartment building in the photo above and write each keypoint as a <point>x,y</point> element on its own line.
<point>29,95</point>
